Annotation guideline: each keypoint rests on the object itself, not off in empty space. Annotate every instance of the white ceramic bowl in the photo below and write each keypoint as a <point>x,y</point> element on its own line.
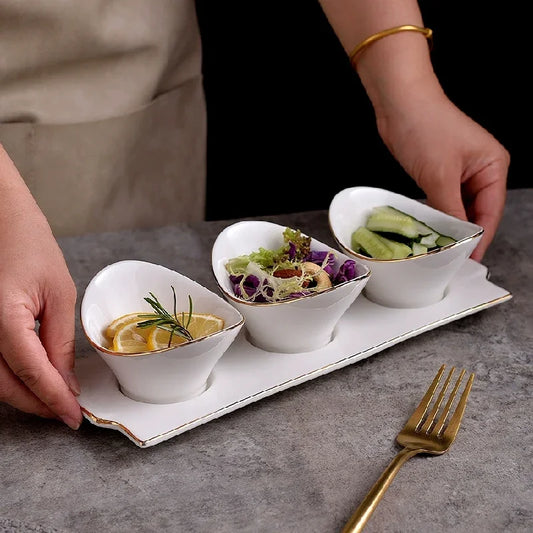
<point>172,374</point>
<point>299,325</point>
<point>415,281</point>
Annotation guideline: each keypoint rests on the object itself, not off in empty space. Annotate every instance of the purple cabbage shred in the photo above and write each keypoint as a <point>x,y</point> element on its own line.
<point>347,271</point>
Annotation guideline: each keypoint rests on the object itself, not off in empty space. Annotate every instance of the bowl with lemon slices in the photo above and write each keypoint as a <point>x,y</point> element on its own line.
<point>160,332</point>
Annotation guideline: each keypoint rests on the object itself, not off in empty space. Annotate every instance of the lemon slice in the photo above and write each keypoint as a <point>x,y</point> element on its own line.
<point>201,325</point>
<point>129,338</point>
<point>112,329</point>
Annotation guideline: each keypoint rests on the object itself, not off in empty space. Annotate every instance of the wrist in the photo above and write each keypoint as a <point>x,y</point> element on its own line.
<point>397,69</point>
<point>16,200</point>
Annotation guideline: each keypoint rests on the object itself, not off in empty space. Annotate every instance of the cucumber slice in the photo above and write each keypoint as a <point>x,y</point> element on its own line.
<point>419,249</point>
<point>430,241</point>
<point>444,240</point>
<point>399,249</point>
<point>378,247</point>
<point>370,244</point>
<point>387,219</point>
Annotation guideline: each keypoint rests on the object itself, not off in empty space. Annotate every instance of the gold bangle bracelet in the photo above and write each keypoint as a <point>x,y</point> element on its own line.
<point>428,33</point>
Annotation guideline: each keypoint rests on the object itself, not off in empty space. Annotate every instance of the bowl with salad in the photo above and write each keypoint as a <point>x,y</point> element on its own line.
<point>412,250</point>
<point>291,288</point>
<point>160,332</point>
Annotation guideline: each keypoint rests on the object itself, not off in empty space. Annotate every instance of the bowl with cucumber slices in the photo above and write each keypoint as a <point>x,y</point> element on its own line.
<point>412,250</point>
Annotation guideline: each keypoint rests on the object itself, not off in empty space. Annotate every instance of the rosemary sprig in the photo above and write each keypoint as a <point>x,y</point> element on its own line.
<point>162,319</point>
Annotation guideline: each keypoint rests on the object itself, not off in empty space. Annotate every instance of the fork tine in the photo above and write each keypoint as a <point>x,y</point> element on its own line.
<point>418,415</point>
<point>433,414</point>
<point>453,427</point>
<point>437,429</point>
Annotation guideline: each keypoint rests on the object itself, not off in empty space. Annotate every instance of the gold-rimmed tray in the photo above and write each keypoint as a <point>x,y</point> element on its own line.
<point>246,374</point>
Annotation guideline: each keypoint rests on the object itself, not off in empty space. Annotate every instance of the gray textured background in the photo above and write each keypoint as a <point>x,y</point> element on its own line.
<point>302,459</point>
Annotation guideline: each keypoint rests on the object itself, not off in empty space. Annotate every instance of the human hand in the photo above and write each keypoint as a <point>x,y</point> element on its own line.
<point>36,364</point>
<point>459,165</point>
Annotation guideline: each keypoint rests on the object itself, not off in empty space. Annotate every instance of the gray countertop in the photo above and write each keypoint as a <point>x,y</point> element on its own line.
<point>304,458</point>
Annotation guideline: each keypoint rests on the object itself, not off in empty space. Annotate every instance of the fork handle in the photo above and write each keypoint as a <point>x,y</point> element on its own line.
<point>359,518</point>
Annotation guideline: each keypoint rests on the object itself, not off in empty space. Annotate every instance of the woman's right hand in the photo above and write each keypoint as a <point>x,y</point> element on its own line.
<point>36,363</point>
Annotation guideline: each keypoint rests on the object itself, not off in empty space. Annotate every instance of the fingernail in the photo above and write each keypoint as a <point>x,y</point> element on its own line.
<point>74,384</point>
<point>71,422</point>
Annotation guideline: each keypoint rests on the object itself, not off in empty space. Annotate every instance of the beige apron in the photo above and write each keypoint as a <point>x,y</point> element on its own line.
<point>102,110</point>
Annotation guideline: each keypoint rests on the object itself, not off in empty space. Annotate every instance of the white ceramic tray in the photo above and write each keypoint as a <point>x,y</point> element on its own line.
<point>246,374</point>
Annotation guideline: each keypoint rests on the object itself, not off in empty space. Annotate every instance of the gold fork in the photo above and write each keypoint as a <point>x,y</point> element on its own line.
<point>420,434</point>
